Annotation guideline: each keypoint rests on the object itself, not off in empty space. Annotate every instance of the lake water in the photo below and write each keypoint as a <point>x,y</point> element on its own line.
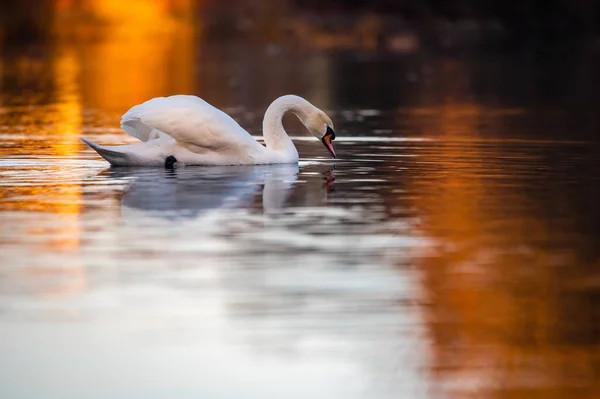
<point>451,251</point>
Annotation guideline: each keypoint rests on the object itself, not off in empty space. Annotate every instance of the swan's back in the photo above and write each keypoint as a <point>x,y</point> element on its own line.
<point>187,119</point>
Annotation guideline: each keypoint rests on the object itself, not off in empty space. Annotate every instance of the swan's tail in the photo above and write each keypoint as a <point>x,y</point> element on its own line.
<point>111,154</point>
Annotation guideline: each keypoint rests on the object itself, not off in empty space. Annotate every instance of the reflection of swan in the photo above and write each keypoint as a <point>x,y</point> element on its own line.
<point>188,130</point>
<point>188,192</point>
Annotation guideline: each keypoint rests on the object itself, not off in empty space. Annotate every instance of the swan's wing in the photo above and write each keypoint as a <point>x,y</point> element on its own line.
<point>187,119</point>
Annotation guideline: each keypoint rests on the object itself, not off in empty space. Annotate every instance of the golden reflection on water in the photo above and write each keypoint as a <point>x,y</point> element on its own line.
<point>497,287</point>
<point>68,113</point>
<point>58,125</point>
<point>140,53</point>
<point>124,71</point>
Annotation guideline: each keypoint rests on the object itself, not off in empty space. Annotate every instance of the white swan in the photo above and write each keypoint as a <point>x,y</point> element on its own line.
<point>188,130</point>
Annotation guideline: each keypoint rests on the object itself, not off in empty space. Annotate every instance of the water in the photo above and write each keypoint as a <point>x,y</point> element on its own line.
<point>450,251</point>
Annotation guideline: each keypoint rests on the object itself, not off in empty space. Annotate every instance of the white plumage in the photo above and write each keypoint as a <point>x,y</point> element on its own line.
<point>196,133</point>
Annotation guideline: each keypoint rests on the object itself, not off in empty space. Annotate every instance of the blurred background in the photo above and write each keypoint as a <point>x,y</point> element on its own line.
<point>342,24</point>
<point>450,252</point>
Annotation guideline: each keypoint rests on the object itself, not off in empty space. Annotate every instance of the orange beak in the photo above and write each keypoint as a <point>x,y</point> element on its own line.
<point>327,141</point>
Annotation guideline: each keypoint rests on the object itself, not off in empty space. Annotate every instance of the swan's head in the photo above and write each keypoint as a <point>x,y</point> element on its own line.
<point>320,125</point>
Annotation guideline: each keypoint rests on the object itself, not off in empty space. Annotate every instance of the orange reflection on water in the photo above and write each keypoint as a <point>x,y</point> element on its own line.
<point>138,51</point>
<point>504,318</point>
<point>141,49</point>
<point>54,130</point>
<point>56,127</point>
<point>68,108</point>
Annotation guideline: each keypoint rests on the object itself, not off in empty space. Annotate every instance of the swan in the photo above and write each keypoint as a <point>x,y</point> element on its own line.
<point>187,130</point>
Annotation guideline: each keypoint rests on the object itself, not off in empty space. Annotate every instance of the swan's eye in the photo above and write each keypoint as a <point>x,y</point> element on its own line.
<point>330,132</point>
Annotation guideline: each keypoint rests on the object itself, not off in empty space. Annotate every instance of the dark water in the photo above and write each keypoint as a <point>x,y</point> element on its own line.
<point>451,250</point>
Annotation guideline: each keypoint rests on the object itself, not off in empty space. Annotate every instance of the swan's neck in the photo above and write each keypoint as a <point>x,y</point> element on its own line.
<point>275,135</point>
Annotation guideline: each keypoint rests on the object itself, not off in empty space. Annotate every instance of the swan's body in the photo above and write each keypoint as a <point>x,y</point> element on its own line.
<point>196,133</point>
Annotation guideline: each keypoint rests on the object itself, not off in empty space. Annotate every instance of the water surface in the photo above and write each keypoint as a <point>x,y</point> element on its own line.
<point>450,251</point>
